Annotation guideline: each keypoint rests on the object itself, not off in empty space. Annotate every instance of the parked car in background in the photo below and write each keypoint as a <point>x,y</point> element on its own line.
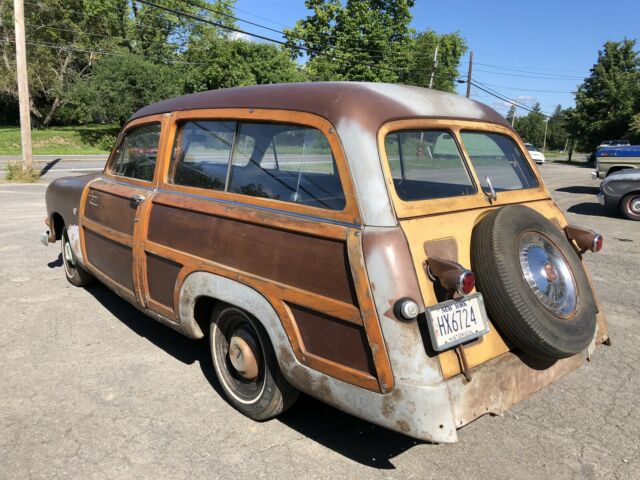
<point>613,159</point>
<point>621,191</point>
<point>536,155</point>
<point>613,143</point>
<point>333,247</point>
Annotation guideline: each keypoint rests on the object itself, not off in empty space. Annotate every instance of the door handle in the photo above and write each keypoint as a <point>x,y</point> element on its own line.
<point>138,199</point>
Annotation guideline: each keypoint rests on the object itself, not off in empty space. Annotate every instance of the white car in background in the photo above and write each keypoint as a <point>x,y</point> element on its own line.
<point>536,155</point>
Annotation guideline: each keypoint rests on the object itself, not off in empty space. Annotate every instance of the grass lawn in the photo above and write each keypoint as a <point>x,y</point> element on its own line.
<point>61,140</point>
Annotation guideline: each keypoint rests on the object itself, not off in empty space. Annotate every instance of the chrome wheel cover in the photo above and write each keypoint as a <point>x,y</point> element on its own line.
<point>634,205</point>
<point>548,274</point>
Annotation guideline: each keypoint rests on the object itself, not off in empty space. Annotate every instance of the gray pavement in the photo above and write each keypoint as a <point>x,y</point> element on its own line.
<point>90,388</point>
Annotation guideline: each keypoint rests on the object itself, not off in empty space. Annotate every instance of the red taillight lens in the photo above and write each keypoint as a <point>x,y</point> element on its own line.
<point>466,282</point>
<point>597,243</point>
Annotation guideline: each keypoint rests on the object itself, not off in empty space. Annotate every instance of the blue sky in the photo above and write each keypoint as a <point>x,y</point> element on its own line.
<point>545,38</point>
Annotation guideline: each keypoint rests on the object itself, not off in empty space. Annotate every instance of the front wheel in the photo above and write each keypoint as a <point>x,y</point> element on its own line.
<point>74,272</point>
<point>246,365</point>
<point>630,206</point>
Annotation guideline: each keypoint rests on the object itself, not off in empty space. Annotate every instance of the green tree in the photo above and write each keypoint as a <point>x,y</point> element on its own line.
<point>531,126</point>
<point>557,132</point>
<point>368,40</point>
<point>119,86</point>
<point>451,47</point>
<point>219,62</point>
<point>607,100</point>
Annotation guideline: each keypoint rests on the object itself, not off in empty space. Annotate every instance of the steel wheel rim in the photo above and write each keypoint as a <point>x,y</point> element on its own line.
<point>241,389</point>
<point>548,274</point>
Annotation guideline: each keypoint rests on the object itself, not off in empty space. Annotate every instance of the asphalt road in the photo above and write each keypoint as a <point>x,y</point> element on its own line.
<point>90,388</point>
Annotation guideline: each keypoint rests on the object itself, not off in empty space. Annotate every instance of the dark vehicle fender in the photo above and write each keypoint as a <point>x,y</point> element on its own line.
<point>63,201</point>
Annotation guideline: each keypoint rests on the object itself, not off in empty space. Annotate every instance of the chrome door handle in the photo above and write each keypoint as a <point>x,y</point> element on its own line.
<point>138,199</point>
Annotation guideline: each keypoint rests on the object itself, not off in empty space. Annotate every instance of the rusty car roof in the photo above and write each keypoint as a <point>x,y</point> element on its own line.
<point>370,104</point>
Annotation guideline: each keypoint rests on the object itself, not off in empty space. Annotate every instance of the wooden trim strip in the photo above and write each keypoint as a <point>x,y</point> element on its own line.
<point>370,317</point>
<point>191,263</point>
<point>107,232</point>
<point>249,214</point>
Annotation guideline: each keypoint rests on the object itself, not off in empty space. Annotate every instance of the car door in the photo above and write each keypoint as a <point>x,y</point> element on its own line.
<point>113,204</point>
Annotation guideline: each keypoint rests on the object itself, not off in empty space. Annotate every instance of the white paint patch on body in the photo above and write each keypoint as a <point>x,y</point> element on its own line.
<point>74,240</point>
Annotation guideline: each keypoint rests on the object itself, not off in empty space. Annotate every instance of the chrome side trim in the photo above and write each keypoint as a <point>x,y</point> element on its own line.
<point>303,216</point>
<point>130,185</point>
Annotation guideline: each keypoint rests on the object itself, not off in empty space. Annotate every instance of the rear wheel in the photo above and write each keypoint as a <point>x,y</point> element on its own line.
<point>246,365</point>
<point>74,272</point>
<point>630,206</point>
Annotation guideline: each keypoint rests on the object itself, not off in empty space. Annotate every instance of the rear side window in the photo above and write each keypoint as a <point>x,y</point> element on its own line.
<point>427,164</point>
<point>498,158</point>
<point>201,153</point>
<point>283,162</point>
<point>136,155</point>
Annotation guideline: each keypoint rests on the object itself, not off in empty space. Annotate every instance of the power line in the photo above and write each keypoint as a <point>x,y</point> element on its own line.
<point>522,69</point>
<point>530,76</point>
<point>100,52</point>
<point>526,89</point>
<point>504,98</point>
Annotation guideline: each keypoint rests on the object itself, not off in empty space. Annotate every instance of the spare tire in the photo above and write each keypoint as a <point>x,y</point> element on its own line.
<point>533,283</point>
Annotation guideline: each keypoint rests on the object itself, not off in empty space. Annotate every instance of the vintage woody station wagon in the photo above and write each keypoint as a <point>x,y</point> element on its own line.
<point>387,249</point>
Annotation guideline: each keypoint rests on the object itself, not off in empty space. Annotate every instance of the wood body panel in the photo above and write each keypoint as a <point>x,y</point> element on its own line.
<point>161,278</point>
<point>306,262</point>
<point>111,210</point>
<point>334,339</point>
<point>113,259</point>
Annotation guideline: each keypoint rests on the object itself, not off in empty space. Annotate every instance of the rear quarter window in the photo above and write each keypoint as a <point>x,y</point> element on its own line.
<point>427,164</point>
<point>497,157</point>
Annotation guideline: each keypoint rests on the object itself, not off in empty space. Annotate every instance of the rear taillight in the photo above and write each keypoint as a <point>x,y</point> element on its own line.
<point>466,283</point>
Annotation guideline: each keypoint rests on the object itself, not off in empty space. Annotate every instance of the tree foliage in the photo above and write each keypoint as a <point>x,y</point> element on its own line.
<point>609,98</point>
<point>451,47</point>
<point>531,126</point>
<point>367,40</point>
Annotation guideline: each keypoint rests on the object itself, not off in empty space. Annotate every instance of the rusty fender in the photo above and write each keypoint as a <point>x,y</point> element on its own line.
<point>418,410</point>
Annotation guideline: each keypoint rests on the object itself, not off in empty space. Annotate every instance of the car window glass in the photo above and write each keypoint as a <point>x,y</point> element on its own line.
<point>288,163</point>
<point>136,155</point>
<point>498,157</point>
<point>427,164</point>
<point>201,152</point>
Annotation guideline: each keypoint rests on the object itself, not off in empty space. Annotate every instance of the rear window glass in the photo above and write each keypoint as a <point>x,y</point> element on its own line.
<point>283,162</point>
<point>201,152</point>
<point>286,162</point>
<point>498,158</point>
<point>427,164</point>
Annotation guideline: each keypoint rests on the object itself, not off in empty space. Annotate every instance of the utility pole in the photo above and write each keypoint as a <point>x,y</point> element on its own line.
<point>513,117</point>
<point>469,74</point>
<point>23,84</point>
<point>544,143</point>
<point>435,65</point>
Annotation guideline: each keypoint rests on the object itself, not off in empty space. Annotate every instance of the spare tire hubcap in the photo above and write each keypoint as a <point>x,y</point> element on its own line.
<point>548,274</point>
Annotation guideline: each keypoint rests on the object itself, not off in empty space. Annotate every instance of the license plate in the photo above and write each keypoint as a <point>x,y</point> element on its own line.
<point>457,321</point>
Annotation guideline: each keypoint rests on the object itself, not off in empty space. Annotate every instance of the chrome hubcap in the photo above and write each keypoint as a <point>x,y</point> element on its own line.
<point>548,274</point>
<point>635,205</point>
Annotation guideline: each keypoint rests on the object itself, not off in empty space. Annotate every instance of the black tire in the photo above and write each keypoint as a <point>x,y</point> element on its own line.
<point>74,272</point>
<point>629,206</point>
<point>517,312</point>
<point>264,397</point>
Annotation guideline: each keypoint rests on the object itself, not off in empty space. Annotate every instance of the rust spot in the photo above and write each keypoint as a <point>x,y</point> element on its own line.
<point>403,426</point>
